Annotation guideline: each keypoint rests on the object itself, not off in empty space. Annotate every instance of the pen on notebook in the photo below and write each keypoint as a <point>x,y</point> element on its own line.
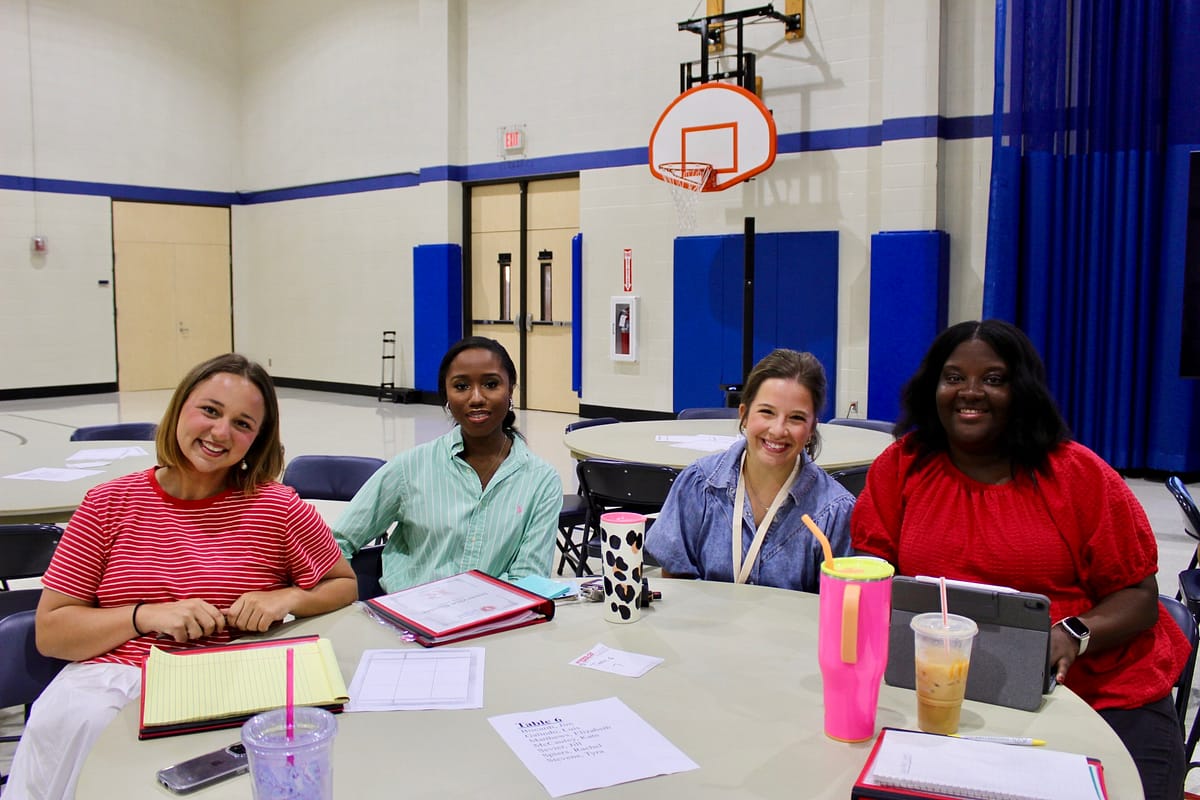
<point>1021,740</point>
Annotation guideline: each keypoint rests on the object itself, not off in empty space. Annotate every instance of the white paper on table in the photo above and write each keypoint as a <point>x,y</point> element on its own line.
<point>709,443</point>
<point>409,680</point>
<point>588,746</point>
<point>105,455</point>
<point>57,474</point>
<point>620,662</point>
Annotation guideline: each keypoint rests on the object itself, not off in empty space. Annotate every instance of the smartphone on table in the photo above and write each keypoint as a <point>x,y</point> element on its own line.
<point>196,773</point>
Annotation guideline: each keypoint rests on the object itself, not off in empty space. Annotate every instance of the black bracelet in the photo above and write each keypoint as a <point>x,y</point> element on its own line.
<point>134,619</point>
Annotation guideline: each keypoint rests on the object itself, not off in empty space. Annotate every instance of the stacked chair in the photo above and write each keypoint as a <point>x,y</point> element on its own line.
<point>1189,593</point>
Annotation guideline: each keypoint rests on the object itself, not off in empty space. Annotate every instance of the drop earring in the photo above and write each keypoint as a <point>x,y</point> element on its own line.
<point>245,466</point>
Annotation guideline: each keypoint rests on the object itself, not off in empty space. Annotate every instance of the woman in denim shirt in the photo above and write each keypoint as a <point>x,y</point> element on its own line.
<point>768,481</point>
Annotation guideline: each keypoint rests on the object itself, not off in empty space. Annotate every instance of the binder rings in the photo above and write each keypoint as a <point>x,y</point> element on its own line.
<point>461,607</point>
<point>206,688</point>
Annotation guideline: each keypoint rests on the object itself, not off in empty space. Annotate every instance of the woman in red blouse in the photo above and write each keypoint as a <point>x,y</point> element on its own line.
<point>986,485</point>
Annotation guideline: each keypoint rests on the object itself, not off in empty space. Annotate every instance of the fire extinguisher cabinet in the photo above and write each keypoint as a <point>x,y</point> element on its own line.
<point>623,325</point>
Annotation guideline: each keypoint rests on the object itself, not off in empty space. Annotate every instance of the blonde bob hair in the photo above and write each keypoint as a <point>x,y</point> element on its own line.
<point>264,459</point>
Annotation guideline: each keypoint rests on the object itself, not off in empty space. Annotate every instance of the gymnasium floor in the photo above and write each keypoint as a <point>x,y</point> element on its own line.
<point>324,423</point>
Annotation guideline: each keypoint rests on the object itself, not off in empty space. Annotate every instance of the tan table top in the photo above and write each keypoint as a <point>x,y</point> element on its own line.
<point>56,501</point>
<point>841,445</point>
<point>739,693</point>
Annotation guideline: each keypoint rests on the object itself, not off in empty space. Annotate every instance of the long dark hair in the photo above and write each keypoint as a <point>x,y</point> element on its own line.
<point>264,459</point>
<point>509,425</point>
<point>1035,426</point>
<point>790,365</point>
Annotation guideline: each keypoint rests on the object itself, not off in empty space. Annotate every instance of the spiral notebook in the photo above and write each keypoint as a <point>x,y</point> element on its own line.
<point>907,764</point>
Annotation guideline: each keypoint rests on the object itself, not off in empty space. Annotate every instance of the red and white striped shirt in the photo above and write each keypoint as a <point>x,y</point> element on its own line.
<point>131,542</point>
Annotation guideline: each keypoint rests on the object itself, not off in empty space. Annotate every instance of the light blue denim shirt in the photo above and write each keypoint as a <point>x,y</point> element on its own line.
<point>691,537</point>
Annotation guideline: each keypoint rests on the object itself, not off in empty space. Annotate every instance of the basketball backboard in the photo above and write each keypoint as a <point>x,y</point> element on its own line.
<point>718,124</point>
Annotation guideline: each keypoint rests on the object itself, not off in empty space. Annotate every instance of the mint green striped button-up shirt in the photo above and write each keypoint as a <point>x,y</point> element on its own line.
<point>446,524</point>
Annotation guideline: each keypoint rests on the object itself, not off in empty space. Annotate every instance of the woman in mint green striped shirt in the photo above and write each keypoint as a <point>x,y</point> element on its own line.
<point>474,498</point>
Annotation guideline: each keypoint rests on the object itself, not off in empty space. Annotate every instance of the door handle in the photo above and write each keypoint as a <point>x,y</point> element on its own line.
<point>182,330</point>
<point>529,323</point>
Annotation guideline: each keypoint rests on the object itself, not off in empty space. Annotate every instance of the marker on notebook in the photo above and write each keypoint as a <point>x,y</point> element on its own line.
<point>1021,740</point>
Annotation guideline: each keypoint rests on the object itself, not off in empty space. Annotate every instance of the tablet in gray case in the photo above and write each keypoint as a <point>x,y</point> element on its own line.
<point>1009,658</point>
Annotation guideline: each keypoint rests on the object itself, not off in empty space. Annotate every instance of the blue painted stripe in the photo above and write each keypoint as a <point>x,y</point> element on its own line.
<point>119,191</point>
<point>974,127</point>
<point>400,180</point>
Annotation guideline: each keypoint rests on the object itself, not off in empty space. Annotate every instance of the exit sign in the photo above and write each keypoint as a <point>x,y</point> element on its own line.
<point>512,140</point>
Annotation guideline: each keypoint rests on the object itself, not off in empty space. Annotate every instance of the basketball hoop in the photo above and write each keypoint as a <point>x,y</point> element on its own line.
<point>687,180</point>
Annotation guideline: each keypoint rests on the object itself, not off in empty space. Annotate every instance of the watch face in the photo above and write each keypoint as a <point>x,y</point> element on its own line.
<point>1075,627</point>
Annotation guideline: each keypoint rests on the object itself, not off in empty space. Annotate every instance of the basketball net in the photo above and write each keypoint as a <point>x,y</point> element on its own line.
<point>687,180</point>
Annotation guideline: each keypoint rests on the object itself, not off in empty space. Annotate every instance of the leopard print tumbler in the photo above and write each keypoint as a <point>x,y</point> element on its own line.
<point>622,553</point>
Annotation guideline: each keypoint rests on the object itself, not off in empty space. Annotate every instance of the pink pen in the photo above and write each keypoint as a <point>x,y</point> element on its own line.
<point>290,713</point>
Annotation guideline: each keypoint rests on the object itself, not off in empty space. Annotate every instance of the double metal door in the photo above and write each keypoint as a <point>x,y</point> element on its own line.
<point>521,282</point>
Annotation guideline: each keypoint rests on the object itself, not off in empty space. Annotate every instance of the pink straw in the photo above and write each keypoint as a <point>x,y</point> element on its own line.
<point>290,705</point>
<point>942,591</point>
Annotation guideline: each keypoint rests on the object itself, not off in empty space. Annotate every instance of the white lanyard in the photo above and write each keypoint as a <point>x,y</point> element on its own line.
<point>742,571</point>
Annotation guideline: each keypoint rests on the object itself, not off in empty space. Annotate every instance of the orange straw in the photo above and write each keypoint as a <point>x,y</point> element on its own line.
<point>821,537</point>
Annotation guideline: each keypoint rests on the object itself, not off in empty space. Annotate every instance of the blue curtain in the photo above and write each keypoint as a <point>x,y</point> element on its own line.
<point>1085,94</point>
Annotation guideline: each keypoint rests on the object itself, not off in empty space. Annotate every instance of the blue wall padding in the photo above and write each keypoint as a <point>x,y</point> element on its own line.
<point>437,308</point>
<point>796,299</point>
<point>795,306</point>
<point>707,322</point>
<point>909,294</point>
<point>577,314</point>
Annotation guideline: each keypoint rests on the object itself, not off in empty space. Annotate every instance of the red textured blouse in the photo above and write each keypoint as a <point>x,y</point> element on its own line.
<point>1073,532</point>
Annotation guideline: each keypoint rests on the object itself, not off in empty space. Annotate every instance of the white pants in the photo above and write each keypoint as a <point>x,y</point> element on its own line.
<point>63,725</point>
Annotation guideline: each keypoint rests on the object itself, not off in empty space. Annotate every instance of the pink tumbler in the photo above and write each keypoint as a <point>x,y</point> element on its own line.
<point>852,648</point>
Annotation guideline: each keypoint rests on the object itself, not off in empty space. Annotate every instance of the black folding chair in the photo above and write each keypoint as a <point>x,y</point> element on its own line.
<point>128,431</point>
<point>25,550</point>
<point>368,568</point>
<point>573,515</point>
<point>1187,507</point>
<point>1183,684</point>
<point>618,486</point>
<point>854,479</point>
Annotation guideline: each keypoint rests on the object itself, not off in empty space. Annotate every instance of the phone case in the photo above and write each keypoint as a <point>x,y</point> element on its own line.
<point>196,773</point>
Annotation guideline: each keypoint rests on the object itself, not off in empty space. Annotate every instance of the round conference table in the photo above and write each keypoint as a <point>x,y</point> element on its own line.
<point>739,693</point>
<point>56,501</point>
<point>842,446</point>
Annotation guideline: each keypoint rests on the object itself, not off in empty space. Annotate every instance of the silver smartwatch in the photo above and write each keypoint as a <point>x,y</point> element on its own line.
<point>1078,630</point>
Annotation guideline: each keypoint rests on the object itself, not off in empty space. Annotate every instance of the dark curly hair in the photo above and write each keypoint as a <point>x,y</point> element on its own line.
<point>509,425</point>
<point>1035,426</point>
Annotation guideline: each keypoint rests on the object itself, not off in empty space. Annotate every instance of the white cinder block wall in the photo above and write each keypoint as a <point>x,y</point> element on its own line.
<point>253,96</point>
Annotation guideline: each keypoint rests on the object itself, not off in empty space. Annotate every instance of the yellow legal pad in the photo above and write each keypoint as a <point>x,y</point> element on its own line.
<point>222,686</point>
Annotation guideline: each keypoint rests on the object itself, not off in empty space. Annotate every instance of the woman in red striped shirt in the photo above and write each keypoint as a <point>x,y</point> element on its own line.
<point>188,553</point>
